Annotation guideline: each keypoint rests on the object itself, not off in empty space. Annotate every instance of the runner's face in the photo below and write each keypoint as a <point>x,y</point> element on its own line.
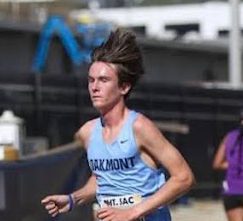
<point>103,86</point>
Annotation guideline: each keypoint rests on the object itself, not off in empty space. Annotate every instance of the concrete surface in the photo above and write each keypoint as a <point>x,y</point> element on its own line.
<point>199,210</point>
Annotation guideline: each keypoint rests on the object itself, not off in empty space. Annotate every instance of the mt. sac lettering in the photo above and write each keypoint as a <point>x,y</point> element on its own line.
<point>111,164</point>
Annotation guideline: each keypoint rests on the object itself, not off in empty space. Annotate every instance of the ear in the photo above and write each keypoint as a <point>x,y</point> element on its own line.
<point>125,88</point>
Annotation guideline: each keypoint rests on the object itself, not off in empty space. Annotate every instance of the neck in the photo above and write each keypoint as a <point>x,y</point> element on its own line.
<point>114,116</point>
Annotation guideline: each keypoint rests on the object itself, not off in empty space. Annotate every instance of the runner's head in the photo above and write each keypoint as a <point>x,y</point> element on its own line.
<point>122,51</point>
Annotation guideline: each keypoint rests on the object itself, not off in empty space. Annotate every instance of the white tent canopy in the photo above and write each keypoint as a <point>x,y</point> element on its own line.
<point>33,6</point>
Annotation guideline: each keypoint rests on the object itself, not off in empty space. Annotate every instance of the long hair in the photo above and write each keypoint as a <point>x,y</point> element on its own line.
<point>121,49</point>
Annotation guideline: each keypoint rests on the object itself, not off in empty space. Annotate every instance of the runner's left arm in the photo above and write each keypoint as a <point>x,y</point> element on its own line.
<point>159,148</point>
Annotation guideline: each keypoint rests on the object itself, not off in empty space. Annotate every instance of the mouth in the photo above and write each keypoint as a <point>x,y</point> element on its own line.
<point>95,97</point>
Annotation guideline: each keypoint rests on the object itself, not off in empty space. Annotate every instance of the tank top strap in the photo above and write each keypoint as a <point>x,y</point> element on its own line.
<point>132,117</point>
<point>96,130</point>
<point>127,130</point>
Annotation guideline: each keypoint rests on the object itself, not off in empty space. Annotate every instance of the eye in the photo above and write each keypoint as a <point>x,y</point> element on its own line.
<point>90,79</point>
<point>104,79</point>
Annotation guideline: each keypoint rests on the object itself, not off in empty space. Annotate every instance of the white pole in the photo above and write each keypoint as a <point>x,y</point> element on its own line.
<point>235,45</point>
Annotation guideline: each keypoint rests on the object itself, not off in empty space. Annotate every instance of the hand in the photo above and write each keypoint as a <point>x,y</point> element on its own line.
<point>115,214</point>
<point>56,204</point>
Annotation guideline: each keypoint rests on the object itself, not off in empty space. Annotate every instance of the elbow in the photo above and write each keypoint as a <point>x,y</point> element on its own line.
<point>188,181</point>
<point>218,166</point>
<point>191,182</point>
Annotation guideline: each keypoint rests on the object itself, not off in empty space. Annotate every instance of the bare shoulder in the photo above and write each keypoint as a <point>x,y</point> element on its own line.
<point>146,131</point>
<point>83,134</point>
<point>145,125</point>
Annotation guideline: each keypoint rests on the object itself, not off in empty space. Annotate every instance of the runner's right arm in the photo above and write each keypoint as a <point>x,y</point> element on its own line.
<point>86,193</point>
<point>56,204</point>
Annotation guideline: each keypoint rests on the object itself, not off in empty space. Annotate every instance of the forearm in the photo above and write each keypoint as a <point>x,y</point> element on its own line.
<point>86,193</point>
<point>171,190</point>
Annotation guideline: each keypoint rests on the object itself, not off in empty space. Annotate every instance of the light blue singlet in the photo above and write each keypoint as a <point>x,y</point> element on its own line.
<point>119,168</point>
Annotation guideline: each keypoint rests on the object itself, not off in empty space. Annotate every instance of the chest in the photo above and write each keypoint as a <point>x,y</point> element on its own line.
<point>120,148</point>
<point>118,144</point>
<point>110,136</point>
<point>121,154</point>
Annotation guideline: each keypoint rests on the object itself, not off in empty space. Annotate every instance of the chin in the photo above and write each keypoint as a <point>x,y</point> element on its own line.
<point>97,105</point>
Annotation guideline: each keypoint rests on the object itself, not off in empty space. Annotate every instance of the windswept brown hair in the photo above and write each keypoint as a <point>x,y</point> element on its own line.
<point>121,49</point>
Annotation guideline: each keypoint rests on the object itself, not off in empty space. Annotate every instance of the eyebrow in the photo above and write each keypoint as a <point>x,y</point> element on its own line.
<point>99,77</point>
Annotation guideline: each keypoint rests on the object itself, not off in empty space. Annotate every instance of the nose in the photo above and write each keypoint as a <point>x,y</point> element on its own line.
<point>94,86</point>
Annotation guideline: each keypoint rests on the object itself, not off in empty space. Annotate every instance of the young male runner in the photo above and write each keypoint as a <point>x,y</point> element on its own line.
<point>125,149</point>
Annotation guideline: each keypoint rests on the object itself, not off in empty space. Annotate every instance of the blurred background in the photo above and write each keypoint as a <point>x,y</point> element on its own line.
<point>192,90</point>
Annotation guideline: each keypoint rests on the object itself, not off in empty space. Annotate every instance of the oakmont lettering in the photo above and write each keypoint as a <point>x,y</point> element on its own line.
<point>111,164</point>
